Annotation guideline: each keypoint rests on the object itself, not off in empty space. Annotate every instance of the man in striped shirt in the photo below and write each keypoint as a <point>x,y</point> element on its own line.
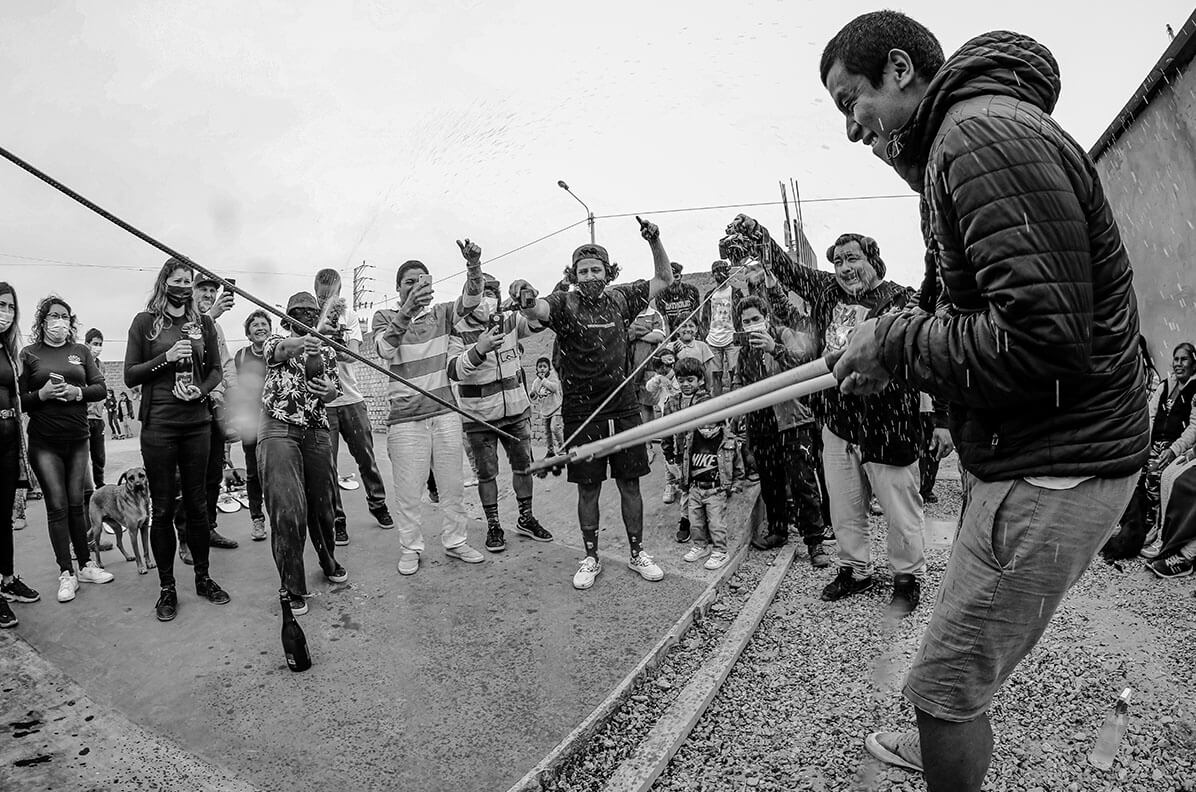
<point>417,341</point>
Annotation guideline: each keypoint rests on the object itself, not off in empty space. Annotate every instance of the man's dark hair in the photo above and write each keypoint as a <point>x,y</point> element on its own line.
<point>863,45</point>
<point>92,335</point>
<point>751,301</point>
<point>868,246</point>
<point>406,265</point>
<point>544,360</point>
<point>689,367</point>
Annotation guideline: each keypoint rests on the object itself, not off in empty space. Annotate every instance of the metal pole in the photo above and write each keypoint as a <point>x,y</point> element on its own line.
<point>589,214</point>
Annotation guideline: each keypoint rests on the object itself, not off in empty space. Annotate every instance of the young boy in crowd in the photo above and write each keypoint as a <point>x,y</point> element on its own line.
<point>688,345</point>
<point>661,388</point>
<point>691,390</point>
<point>705,474</point>
<point>545,391</point>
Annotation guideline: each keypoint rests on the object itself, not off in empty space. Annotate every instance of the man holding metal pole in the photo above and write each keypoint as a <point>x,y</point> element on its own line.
<point>591,326</point>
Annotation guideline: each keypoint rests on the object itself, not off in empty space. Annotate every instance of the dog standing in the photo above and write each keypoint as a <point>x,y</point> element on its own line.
<point>124,505</point>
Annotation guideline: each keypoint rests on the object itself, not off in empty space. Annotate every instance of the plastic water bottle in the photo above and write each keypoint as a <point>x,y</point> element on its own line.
<point>1111,732</point>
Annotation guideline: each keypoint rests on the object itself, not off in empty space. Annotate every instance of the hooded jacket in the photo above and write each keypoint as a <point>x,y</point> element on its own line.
<point>1033,336</point>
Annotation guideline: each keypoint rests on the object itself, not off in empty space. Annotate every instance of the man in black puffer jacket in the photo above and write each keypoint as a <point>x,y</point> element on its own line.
<point>1032,341</point>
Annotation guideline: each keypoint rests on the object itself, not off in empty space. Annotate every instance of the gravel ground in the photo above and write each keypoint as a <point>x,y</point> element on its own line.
<point>818,676</point>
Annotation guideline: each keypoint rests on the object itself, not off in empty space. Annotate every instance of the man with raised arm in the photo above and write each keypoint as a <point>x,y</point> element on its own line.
<point>1032,340</point>
<point>591,326</point>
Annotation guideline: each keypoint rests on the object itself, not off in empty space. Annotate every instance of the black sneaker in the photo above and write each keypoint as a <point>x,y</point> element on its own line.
<point>770,541</point>
<point>845,584</point>
<point>433,495</point>
<point>15,590</point>
<point>168,604</point>
<point>494,540</point>
<point>185,554</point>
<point>340,535</point>
<point>930,497</point>
<point>216,539</point>
<point>298,605</point>
<point>682,535</point>
<point>7,617</point>
<point>382,515</point>
<point>907,592</point>
<point>210,590</point>
<point>531,528</point>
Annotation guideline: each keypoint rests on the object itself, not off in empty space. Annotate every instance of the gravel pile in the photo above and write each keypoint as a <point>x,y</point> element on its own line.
<point>817,677</point>
<point>615,741</point>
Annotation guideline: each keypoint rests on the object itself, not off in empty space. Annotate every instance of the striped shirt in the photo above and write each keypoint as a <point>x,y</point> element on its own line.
<point>418,351</point>
<point>491,387</point>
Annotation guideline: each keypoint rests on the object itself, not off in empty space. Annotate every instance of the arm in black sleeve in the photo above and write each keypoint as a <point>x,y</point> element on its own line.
<point>31,400</point>
<point>139,370</point>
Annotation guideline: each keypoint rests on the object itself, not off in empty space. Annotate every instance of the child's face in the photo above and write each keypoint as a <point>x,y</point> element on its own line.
<point>687,332</point>
<point>542,370</point>
<point>689,384</point>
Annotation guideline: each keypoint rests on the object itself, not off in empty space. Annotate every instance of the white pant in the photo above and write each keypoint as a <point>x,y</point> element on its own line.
<point>850,483</point>
<point>413,448</point>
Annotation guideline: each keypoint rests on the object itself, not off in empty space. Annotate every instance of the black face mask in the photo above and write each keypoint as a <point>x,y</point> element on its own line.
<point>591,289</point>
<point>178,296</point>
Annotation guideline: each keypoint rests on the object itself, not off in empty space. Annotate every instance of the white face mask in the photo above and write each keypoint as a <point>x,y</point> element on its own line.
<point>5,319</point>
<point>56,330</point>
<point>756,327</point>
<point>489,305</point>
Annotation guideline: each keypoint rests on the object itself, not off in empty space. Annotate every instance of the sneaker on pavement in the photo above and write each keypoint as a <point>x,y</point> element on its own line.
<point>907,592</point>
<point>210,590</point>
<point>217,539</point>
<point>531,528</point>
<point>464,553</point>
<point>68,584</point>
<point>339,575</point>
<point>1152,550</point>
<point>433,495</point>
<point>586,573</point>
<point>819,557</point>
<point>298,604</point>
<point>683,533</point>
<point>670,495</point>
<point>718,559</point>
<point>382,515</point>
<point>408,562</point>
<point>696,553</point>
<point>845,584</point>
<point>185,554</point>
<point>340,535</point>
<point>930,497</point>
<point>770,541</point>
<point>472,481</point>
<point>495,542</point>
<point>7,617</point>
<point>258,532</point>
<point>167,606</point>
<point>901,749</point>
<point>1172,566</point>
<point>90,573</point>
<point>643,564</point>
<point>15,590</point>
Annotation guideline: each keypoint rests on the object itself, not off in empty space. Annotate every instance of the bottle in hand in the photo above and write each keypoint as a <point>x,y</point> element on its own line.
<point>183,368</point>
<point>294,642</point>
<point>1107,742</point>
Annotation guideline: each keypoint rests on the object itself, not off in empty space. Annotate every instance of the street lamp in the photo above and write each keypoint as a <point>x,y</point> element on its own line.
<point>589,214</point>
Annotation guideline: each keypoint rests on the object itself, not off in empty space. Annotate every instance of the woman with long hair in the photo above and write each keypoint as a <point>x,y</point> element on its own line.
<point>172,353</point>
<point>58,374</point>
<point>14,463</point>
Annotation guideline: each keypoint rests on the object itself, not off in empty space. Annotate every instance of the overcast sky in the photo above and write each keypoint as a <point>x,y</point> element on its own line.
<point>269,139</point>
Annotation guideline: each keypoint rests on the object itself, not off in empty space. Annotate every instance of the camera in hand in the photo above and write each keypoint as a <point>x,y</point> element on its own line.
<point>527,298</point>
<point>735,247</point>
<point>743,339</point>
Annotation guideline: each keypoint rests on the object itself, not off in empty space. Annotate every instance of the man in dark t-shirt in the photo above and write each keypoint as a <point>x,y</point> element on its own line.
<point>591,328</point>
<point>678,301</point>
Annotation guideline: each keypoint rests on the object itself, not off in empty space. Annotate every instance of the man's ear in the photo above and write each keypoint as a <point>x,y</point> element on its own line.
<point>901,67</point>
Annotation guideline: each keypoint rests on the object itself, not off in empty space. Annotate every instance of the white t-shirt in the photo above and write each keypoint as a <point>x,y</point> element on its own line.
<point>722,328</point>
<point>350,394</point>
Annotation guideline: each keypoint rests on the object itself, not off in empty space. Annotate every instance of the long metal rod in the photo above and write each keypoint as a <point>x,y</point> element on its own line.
<point>232,287</point>
<point>809,378</point>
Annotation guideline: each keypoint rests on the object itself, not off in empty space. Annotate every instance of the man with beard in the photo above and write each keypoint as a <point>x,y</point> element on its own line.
<point>591,326</point>
<point>678,301</point>
<point>206,290</point>
<point>1028,329</point>
<point>720,316</point>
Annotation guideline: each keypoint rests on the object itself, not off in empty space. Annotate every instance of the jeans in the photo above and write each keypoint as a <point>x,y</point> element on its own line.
<point>177,457</point>
<point>554,434</point>
<point>10,471</point>
<point>61,467</point>
<point>851,483</point>
<point>299,495</point>
<point>415,448</point>
<point>707,516</point>
<point>352,421</point>
<point>96,444</point>
<point>1018,551</point>
<point>253,482</point>
<point>785,459</point>
<point>724,365</point>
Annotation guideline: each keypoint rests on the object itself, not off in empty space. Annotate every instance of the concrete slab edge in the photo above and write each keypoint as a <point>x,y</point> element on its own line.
<point>548,766</point>
<point>639,772</point>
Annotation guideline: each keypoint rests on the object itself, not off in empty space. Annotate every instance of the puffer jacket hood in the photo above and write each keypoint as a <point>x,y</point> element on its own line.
<point>983,66</point>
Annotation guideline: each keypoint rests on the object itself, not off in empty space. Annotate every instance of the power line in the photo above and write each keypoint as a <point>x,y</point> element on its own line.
<point>837,199</point>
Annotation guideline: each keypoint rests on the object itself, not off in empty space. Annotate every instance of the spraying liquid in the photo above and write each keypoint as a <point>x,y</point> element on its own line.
<point>1111,732</point>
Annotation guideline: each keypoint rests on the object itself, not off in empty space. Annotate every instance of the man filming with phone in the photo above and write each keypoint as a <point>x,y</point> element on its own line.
<point>591,327</point>
<point>215,302</point>
<point>490,385</point>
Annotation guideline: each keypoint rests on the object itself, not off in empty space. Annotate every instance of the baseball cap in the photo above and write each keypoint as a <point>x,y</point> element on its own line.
<point>204,280</point>
<point>302,300</point>
<point>591,251</point>
<point>676,268</point>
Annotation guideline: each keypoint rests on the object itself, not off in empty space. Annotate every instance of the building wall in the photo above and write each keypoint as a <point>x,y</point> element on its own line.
<point>1149,174</point>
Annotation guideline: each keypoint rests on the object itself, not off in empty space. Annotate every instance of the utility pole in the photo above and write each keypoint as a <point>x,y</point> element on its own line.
<point>589,214</point>
<point>361,286</point>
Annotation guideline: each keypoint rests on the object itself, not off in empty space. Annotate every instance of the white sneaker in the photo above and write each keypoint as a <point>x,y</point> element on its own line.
<point>408,562</point>
<point>67,586</point>
<point>464,553</point>
<point>647,568</point>
<point>1151,550</point>
<point>670,495</point>
<point>696,553</point>
<point>718,559</point>
<point>90,573</point>
<point>586,573</point>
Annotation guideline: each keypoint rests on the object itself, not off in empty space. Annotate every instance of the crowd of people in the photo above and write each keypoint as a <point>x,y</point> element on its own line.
<point>1016,350</point>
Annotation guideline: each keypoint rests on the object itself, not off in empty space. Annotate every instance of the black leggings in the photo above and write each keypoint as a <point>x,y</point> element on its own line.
<point>61,467</point>
<point>10,471</point>
<point>177,457</point>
